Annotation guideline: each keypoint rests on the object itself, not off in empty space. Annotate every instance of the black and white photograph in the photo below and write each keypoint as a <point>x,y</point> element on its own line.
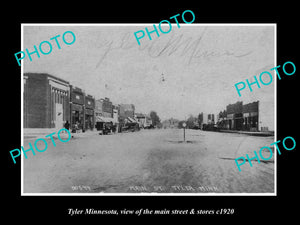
<point>148,110</point>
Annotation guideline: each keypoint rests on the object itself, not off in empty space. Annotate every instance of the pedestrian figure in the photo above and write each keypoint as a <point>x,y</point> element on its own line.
<point>114,129</point>
<point>76,126</point>
<point>67,125</point>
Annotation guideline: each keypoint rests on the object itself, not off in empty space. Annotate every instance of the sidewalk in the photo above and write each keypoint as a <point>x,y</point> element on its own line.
<point>253,133</point>
<point>35,133</point>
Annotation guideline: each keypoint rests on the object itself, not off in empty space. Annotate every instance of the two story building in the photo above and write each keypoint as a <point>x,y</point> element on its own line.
<point>45,101</point>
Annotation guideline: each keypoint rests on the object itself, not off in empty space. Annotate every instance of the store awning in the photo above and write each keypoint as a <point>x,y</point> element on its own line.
<point>131,120</point>
<point>104,119</point>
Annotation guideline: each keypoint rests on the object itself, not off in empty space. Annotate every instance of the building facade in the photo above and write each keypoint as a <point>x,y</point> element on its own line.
<point>104,113</point>
<point>116,117</point>
<point>77,108</point>
<point>25,101</point>
<point>104,108</point>
<point>205,119</point>
<point>235,116</point>
<point>126,114</point>
<point>250,116</point>
<point>89,118</point>
<point>107,108</point>
<point>143,120</point>
<point>45,101</point>
<point>98,108</point>
<point>239,116</point>
<point>126,110</point>
<point>170,123</point>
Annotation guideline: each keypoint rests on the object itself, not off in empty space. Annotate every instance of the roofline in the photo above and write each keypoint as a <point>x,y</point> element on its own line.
<point>49,75</point>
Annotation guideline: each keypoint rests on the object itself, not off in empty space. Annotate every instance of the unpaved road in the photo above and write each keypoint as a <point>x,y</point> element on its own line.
<point>150,161</point>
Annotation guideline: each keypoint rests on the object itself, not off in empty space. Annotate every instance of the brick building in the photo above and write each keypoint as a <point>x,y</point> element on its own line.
<point>238,116</point>
<point>235,116</point>
<point>126,110</point>
<point>205,119</point>
<point>104,113</point>
<point>126,114</point>
<point>89,119</point>
<point>77,107</point>
<point>46,101</point>
<point>250,115</point>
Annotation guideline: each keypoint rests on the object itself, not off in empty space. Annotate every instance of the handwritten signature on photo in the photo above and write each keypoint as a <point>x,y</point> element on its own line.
<point>181,45</point>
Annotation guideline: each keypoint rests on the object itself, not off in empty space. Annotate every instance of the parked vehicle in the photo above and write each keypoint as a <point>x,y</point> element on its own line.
<point>104,128</point>
<point>131,127</point>
<point>210,127</point>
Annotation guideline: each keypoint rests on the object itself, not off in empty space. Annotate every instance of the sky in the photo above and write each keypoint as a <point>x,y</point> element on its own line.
<point>189,70</point>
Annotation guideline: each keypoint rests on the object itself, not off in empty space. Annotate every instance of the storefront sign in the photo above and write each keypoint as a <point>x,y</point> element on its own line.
<point>76,107</point>
<point>230,116</point>
<point>246,114</point>
<point>253,113</point>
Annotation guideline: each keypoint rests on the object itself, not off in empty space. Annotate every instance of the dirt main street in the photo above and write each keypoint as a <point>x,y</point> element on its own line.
<point>150,161</point>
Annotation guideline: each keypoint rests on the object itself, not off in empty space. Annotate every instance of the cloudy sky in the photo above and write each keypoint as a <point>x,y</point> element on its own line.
<point>190,70</point>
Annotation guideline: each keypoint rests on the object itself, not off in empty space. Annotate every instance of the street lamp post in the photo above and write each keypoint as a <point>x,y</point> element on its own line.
<point>184,125</point>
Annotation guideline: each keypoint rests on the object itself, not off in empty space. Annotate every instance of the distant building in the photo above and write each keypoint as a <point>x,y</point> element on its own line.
<point>45,101</point>
<point>247,117</point>
<point>206,119</point>
<point>143,120</point>
<point>126,115</point>
<point>98,108</point>
<point>104,108</point>
<point>126,110</point>
<point>107,107</point>
<point>82,109</point>
<point>104,113</point>
<point>149,122</point>
<point>250,116</point>
<point>170,123</point>
<point>77,108</point>
<point>235,116</point>
<point>89,119</point>
<point>116,117</point>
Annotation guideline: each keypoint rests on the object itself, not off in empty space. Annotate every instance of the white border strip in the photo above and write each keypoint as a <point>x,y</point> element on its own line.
<point>151,194</point>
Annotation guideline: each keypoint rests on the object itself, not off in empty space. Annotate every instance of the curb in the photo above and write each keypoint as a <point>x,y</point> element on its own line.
<point>262,134</point>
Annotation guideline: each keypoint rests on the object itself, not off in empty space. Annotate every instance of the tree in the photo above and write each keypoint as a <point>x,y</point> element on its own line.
<point>180,123</point>
<point>190,123</point>
<point>200,118</point>
<point>155,118</point>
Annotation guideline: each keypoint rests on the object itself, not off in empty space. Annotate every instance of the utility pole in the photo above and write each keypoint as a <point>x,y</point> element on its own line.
<point>184,125</point>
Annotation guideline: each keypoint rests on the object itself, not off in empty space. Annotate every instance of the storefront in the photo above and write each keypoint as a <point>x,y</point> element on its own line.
<point>235,116</point>
<point>230,121</point>
<point>251,121</point>
<point>77,109</point>
<point>89,120</point>
<point>77,118</point>
<point>250,115</point>
<point>242,117</point>
<point>89,112</point>
<point>105,124</point>
<point>238,121</point>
